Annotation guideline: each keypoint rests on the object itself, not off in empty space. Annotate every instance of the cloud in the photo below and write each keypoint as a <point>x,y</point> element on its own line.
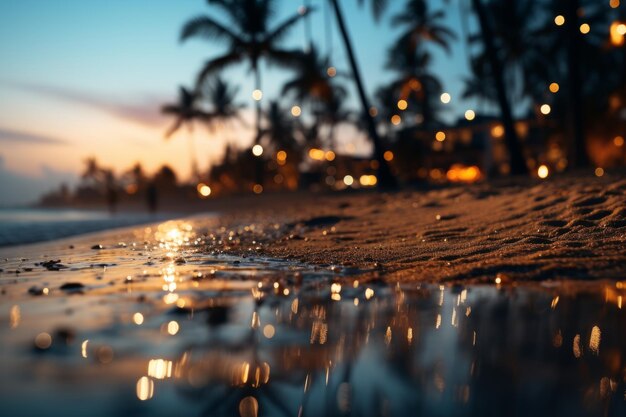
<point>18,189</point>
<point>9,135</point>
<point>145,111</point>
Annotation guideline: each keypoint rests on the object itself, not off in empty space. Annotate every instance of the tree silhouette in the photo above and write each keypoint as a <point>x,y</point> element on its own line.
<point>186,112</point>
<point>385,178</point>
<point>517,162</point>
<point>248,37</point>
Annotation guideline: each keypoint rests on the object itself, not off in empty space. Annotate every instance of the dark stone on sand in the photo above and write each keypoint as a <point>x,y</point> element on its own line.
<point>72,286</point>
<point>36,291</point>
<point>97,247</point>
<point>53,265</point>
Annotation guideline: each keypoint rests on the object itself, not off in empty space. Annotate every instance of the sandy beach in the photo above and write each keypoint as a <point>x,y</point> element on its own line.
<point>285,300</point>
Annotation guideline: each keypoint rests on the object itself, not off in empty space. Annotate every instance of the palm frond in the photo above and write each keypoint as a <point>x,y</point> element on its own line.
<point>208,28</point>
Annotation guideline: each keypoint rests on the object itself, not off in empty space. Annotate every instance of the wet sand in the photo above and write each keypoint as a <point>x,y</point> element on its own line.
<point>220,316</point>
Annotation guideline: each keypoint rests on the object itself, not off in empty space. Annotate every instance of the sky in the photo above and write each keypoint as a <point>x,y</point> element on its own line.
<point>87,78</point>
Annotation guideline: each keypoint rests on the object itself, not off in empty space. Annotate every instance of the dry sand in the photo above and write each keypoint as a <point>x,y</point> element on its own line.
<point>564,228</point>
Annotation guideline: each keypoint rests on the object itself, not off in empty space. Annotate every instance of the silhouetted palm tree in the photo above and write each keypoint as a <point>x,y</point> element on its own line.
<point>517,162</point>
<point>333,112</point>
<point>420,25</point>
<point>248,36</point>
<point>385,178</point>
<point>220,96</point>
<point>311,81</point>
<point>186,112</point>
<point>280,131</point>
<point>415,83</point>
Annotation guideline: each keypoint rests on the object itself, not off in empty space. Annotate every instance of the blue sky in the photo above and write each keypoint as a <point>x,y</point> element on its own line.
<point>93,74</point>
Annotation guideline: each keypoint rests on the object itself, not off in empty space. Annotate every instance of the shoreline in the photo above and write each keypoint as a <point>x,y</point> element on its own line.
<point>573,228</point>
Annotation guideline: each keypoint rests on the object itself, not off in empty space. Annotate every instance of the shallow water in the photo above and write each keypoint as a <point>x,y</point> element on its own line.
<point>28,225</point>
<point>159,327</point>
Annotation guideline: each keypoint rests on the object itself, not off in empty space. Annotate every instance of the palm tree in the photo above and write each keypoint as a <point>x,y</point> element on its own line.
<point>311,81</point>
<point>186,112</point>
<point>385,178</point>
<point>415,83</point>
<point>248,37</point>
<point>220,96</point>
<point>280,131</point>
<point>517,163</point>
<point>421,25</point>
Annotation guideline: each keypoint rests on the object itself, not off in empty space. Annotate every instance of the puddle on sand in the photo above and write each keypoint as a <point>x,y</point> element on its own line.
<point>162,329</point>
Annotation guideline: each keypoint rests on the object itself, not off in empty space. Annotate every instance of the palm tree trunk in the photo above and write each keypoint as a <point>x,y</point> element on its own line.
<point>259,174</point>
<point>518,164</point>
<point>385,179</point>
<point>577,149</point>
<point>195,172</point>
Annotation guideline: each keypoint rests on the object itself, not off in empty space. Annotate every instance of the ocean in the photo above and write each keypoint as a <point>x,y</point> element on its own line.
<point>20,226</point>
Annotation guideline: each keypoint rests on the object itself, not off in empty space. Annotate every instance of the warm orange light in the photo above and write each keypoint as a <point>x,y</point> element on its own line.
<point>497,131</point>
<point>368,180</point>
<point>388,155</point>
<point>440,136</point>
<point>331,71</point>
<point>599,172</point>
<point>296,111</point>
<point>554,87</point>
<point>373,111</point>
<point>617,32</point>
<point>257,189</point>
<point>585,28</point>
<point>402,104</point>
<point>460,173</point>
<point>543,171</point>
<point>618,141</point>
<point>545,109</point>
<point>470,115</point>
<point>317,154</point>
<point>330,156</point>
<point>281,156</point>
<point>204,190</point>
<point>614,3</point>
<point>396,120</point>
<point>559,20</point>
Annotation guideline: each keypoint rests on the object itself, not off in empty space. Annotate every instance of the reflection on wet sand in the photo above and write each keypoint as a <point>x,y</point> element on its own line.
<point>160,327</point>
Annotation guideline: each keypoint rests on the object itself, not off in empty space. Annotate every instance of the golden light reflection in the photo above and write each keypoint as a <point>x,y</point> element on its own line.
<point>388,155</point>
<point>543,171</point>
<point>14,317</point>
<point>594,340</point>
<point>138,319</point>
<point>83,348</point>
<point>576,346</point>
<point>269,331</point>
<point>43,341</point>
<point>145,388</point>
<point>160,368</point>
<point>173,327</point>
<point>554,88</point>
<point>249,407</point>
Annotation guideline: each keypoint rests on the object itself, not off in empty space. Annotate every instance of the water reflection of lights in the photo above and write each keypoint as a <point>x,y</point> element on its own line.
<point>145,388</point>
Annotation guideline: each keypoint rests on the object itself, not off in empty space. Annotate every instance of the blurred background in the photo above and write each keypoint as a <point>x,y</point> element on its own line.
<point>127,105</point>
